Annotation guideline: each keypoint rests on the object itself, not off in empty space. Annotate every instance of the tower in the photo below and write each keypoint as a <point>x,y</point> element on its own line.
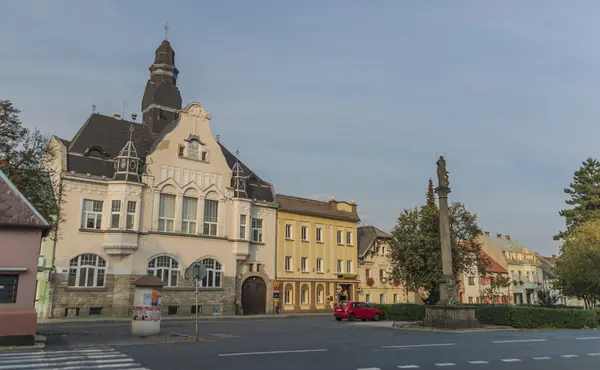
<point>128,165</point>
<point>162,99</point>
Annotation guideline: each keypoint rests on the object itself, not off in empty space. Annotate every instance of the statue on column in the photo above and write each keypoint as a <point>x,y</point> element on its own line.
<point>443,181</point>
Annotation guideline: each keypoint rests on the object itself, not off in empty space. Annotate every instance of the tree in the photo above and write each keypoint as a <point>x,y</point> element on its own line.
<point>578,266</point>
<point>497,284</point>
<point>545,298</point>
<point>24,157</point>
<point>416,249</point>
<point>584,193</point>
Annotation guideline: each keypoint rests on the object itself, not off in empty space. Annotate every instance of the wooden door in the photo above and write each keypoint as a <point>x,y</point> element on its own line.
<point>254,296</point>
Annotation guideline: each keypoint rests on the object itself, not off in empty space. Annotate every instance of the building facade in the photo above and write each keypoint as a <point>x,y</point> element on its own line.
<point>374,268</point>
<point>476,287</point>
<point>316,253</point>
<point>154,198</point>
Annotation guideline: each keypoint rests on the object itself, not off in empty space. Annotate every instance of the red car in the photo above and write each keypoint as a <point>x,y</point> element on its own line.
<point>356,310</point>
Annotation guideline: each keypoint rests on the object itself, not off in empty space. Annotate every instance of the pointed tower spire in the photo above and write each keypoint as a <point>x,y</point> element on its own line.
<point>239,178</point>
<point>128,165</point>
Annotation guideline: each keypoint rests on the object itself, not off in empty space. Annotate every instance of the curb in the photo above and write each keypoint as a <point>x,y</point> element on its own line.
<point>456,331</point>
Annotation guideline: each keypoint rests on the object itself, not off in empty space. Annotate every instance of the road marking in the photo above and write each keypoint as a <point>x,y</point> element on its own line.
<point>542,358</point>
<point>478,362</point>
<point>446,364</point>
<point>593,354</point>
<point>420,345</point>
<point>569,356</point>
<point>271,352</point>
<point>36,353</point>
<point>510,360</point>
<point>369,368</point>
<point>408,367</point>
<point>68,360</point>
<point>63,358</point>
<point>519,341</point>
<point>587,338</point>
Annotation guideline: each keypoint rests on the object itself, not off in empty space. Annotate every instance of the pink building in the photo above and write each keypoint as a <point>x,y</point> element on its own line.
<point>21,232</point>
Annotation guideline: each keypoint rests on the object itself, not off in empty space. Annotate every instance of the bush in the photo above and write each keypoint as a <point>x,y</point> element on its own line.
<point>493,314</point>
<point>401,311</point>
<point>532,318</point>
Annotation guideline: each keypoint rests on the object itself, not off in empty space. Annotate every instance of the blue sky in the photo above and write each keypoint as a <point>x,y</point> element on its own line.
<point>344,99</point>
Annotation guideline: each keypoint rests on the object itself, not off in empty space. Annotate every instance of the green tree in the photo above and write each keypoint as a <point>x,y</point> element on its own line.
<point>497,285</point>
<point>416,249</point>
<point>23,157</point>
<point>584,197</point>
<point>578,266</point>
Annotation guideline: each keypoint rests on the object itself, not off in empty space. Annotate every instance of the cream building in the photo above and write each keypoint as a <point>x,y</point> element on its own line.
<point>374,267</point>
<point>154,198</point>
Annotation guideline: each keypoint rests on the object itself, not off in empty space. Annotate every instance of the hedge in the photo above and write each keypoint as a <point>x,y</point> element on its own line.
<point>525,317</point>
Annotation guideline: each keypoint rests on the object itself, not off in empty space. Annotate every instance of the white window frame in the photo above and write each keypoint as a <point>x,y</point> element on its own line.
<point>257,230</point>
<point>304,264</point>
<point>243,222</point>
<point>381,298</point>
<point>189,225</point>
<point>340,266</point>
<point>214,274</point>
<point>167,221</point>
<point>288,296</point>
<point>320,294</point>
<point>289,267</point>
<point>340,237</point>
<point>130,218</point>
<point>349,238</point>
<point>84,263</point>
<point>304,233</point>
<point>95,212</point>
<point>115,214</point>
<point>395,298</point>
<point>349,266</point>
<point>319,234</point>
<point>166,268</point>
<point>304,294</point>
<point>289,232</point>
<point>319,264</point>
<point>368,298</point>
<point>211,222</point>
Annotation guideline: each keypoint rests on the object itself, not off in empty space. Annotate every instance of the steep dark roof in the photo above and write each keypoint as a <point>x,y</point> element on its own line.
<point>15,209</point>
<point>367,236</point>
<point>547,267</point>
<point>256,187</point>
<point>314,208</point>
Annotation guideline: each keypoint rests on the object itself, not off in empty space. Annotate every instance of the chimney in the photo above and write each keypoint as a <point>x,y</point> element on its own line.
<point>507,237</point>
<point>116,116</point>
<point>353,204</point>
<point>218,138</point>
<point>499,235</point>
<point>333,204</point>
<point>487,233</point>
<point>554,256</point>
<point>133,116</point>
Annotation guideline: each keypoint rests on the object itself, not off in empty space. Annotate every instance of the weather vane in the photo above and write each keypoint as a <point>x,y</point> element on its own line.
<point>166,30</point>
<point>131,132</point>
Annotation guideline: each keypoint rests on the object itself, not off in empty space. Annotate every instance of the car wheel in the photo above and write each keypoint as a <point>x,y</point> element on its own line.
<point>363,319</point>
<point>376,317</point>
<point>338,318</point>
<point>352,317</point>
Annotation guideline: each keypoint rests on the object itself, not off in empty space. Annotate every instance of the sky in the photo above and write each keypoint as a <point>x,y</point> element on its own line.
<point>352,99</point>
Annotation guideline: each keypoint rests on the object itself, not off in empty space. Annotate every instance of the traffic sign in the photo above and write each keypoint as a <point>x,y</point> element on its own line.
<point>196,271</point>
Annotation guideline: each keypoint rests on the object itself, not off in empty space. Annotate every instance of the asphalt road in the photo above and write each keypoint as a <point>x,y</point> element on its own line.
<point>308,343</point>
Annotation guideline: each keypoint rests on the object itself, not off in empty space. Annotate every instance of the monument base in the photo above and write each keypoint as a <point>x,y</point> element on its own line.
<point>450,317</point>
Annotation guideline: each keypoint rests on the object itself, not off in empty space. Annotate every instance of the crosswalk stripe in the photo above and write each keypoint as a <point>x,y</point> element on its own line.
<point>13,354</point>
<point>106,358</point>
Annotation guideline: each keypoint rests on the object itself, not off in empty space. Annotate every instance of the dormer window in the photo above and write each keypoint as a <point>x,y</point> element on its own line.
<point>194,149</point>
<point>181,150</point>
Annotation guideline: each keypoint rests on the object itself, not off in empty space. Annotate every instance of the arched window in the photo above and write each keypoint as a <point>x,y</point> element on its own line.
<point>320,294</point>
<point>288,298</point>
<point>87,270</point>
<point>304,294</point>
<point>213,274</point>
<point>166,268</point>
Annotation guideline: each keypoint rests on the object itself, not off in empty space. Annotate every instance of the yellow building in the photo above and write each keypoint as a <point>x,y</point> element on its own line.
<point>374,267</point>
<point>316,254</point>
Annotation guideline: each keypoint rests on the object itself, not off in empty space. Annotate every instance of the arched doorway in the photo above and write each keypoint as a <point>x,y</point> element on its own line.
<point>254,296</point>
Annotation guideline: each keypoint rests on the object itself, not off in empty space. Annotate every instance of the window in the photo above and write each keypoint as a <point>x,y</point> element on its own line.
<point>91,214</point>
<point>130,221</point>
<point>349,266</point>
<point>320,294</point>
<point>339,237</point>
<point>470,299</point>
<point>204,155</point>
<point>189,215</point>
<point>304,232</point>
<point>211,217</point>
<point>319,235</point>
<point>367,273</point>
<point>87,270</point>
<point>180,150</point>
<point>165,268</point>
<point>382,299</point>
<point>471,280</point>
<point>213,274</point>
<point>10,286</point>
<point>115,214</point>
<point>287,298</point>
<point>166,212</point>
<point>242,226</point>
<point>368,298</point>
<point>304,264</point>
<point>340,266</point>
<point>349,237</point>
<point>319,265</point>
<point>257,230</point>
<point>395,297</point>
<point>381,274</point>
<point>288,232</point>
<point>304,294</point>
<point>288,263</point>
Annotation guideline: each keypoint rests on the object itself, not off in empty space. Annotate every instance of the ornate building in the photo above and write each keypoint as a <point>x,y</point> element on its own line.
<point>153,198</point>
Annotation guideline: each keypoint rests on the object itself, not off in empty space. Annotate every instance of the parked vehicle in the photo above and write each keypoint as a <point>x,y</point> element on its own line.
<point>356,310</point>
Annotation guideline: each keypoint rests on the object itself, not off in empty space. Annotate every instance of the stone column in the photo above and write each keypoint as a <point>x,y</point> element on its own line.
<point>446,286</point>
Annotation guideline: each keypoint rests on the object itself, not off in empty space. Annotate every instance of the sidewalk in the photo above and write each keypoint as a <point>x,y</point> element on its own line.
<point>182,318</point>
